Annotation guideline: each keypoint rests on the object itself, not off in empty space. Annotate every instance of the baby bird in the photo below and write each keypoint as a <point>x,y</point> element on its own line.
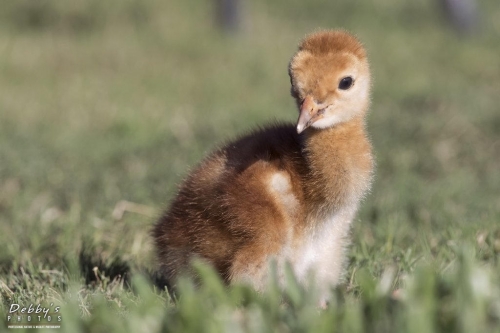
<point>285,193</point>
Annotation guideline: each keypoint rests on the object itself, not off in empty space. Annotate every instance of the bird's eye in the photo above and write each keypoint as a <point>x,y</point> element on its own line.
<point>346,83</point>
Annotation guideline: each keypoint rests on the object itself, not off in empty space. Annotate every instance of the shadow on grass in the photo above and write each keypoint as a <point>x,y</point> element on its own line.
<point>96,270</point>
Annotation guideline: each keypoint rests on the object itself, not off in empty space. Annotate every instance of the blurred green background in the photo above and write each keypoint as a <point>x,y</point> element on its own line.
<point>103,102</point>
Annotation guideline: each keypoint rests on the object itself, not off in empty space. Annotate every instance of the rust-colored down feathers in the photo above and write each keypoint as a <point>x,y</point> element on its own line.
<point>278,195</point>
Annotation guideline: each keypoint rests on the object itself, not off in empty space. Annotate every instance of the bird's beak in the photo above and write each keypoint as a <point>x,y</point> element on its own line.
<point>308,112</point>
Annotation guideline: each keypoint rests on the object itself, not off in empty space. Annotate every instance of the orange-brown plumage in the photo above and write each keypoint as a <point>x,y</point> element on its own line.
<point>282,193</point>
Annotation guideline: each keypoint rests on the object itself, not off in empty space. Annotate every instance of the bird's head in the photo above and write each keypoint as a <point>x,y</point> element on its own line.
<point>330,79</point>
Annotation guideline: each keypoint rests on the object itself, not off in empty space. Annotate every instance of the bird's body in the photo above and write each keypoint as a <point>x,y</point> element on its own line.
<point>275,194</point>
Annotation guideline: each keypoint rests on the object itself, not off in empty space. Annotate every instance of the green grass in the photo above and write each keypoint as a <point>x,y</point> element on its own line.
<point>108,101</point>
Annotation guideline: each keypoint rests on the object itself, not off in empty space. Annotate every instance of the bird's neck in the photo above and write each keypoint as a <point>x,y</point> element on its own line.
<point>339,163</point>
